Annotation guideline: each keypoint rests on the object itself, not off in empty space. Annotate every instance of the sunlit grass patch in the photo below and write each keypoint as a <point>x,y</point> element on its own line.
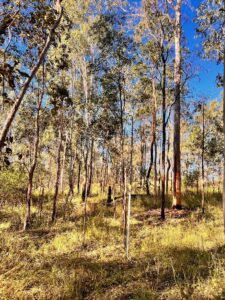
<point>174,259</point>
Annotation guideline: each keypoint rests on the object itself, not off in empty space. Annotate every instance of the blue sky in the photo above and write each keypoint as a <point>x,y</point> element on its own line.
<point>205,83</point>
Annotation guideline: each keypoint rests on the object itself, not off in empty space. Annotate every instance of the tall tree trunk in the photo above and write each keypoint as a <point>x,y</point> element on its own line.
<point>163,175</point>
<point>159,178</point>
<point>125,208</point>
<point>131,150</point>
<point>123,168</point>
<point>128,224</point>
<point>26,84</point>
<point>155,173</point>
<point>64,146</point>
<point>197,184</point>
<point>142,157</point>
<point>85,188</point>
<point>202,158</point>
<point>168,164</point>
<point>177,81</point>
<point>102,173</point>
<point>153,138</point>
<point>58,173</point>
<point>79,175</point>
<point>27,221</point>
<point>71,166</point>
<point>85,192</point>
<point>106,171</point>
<point>91,168</point>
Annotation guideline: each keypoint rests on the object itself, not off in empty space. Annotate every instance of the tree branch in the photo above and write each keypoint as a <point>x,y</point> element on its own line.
<point>18,101</point>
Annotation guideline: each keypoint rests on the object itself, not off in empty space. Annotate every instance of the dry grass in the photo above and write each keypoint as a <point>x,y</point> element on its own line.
<point>181,258</point>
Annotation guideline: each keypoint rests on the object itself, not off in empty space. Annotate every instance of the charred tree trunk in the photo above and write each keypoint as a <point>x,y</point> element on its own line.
<point>109,198</point>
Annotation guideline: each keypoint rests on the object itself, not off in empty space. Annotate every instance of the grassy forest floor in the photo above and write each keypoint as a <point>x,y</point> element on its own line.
<point>180,258</point>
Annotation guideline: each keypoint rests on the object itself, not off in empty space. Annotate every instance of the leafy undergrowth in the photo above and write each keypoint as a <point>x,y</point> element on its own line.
<point>181,258</point>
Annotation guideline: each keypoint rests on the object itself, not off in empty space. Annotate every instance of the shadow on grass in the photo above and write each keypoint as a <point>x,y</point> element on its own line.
<point>139,278</point>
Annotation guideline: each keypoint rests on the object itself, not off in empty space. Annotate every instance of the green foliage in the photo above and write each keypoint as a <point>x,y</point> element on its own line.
<point>211,27</point>
<point>191,178</point>
<point>213,142</point>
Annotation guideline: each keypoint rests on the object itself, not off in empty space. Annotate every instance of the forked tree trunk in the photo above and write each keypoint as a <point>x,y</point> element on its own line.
<point>177,81</point>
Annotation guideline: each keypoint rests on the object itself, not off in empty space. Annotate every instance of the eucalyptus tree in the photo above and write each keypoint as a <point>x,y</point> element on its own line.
<point>31,124</point>
<point>112,66</point>
<point>205,139</point>
<point>82,56</point>
<point>176,6</point>
<point>40,96</point>
<point>60,104</point>
<point>25,48</point>
<point>158,29</point>
<point>211,21</point>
